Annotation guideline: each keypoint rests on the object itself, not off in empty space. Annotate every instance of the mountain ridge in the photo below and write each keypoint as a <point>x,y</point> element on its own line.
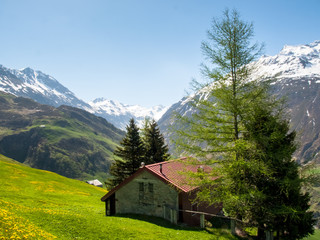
<point>114,110</point>
<point>291,62</point>
<point>45,89</point>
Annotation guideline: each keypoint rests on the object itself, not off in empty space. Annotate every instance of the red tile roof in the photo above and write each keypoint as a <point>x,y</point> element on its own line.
<point>172,172</point>
<point>175,172</point>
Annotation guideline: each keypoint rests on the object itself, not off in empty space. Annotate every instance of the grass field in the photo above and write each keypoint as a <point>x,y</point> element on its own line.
<point>315,236</point>
<point>37,204</point>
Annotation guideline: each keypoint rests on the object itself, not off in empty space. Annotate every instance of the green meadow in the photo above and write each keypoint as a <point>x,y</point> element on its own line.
<point>37,204</point>
<point>315,236</point>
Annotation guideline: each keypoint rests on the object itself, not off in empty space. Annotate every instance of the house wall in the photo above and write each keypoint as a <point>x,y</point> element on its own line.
<point>186,203</point>
<point>146,194</point>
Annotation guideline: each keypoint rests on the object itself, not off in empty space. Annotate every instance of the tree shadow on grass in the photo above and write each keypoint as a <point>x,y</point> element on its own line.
<point>218,232</point>
<point>158,221</point>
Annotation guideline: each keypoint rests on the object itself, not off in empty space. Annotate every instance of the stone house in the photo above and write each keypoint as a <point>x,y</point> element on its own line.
<point>160,190</point>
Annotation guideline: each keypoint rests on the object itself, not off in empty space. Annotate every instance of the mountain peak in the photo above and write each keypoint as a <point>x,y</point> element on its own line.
<point>311,49</point>
<point>315,44</point>
<point>28,71</point>
<point>41,87</point>
<point>292,61</point>
<point>101,99</point>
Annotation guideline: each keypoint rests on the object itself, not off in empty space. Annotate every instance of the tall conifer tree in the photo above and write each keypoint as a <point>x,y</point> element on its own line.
<point>284,208</point>
<point>156,149</point>
<point>129,155</point>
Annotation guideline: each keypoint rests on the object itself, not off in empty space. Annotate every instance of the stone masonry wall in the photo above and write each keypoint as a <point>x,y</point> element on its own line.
<point>147,195</point>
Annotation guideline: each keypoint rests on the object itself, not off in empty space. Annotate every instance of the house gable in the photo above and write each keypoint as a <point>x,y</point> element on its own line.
<point>127,180</point>
<point>146,194</point>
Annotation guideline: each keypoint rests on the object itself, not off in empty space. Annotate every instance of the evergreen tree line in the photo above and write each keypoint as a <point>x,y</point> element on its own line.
<point>241,130</point>
<point>147,146</point>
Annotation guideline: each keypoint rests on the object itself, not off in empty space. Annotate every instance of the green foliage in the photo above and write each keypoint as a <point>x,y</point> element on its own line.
<point>155,148</point>
<point>285,207</point>
<point>310,175</point>
<point>226,100</point>
<point>130,154</point>
<point>215,132</point>
<point>36,204</point>
<point>238,129</point>
<point>147,146</point>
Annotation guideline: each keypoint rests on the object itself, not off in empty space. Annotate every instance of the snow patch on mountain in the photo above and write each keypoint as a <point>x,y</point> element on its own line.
<point>110,107</point>
<point>292,62</point>
<point>40,87</point>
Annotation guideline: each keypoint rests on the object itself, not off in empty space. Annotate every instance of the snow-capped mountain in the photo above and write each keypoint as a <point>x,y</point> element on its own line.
<point>47,90</point>
<point>119,114</point>
<point>38,86</point>
<point>296,70</point>
<point>291,62</point>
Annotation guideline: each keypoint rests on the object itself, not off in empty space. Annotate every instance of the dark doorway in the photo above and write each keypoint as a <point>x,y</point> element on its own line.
<point>111,205</point>
<point>180,208</point>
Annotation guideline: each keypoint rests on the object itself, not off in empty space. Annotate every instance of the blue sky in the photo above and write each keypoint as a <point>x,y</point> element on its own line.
<point>136,51</point>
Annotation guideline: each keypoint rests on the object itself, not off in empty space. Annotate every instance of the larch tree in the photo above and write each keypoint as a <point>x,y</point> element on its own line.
<point>221,132</point>
<point>129,155</point>
<point>227,98</point>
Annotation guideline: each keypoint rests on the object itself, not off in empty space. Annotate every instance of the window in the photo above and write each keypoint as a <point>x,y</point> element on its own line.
<point>141,191</point>
<point>150,187</point>
<point>141,187</point>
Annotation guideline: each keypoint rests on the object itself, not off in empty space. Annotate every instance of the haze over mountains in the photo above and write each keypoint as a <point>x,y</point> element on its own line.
<point>296,70</point>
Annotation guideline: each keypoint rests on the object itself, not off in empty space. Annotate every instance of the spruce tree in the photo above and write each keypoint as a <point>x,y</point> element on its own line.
<point>284,208</point>
<point>156,149</point>
<point>129,155</point>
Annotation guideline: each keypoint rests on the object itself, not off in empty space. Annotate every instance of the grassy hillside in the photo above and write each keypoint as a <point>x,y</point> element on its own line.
<point>65,140</point>
<point>315,236</point>
<point>37,204</point>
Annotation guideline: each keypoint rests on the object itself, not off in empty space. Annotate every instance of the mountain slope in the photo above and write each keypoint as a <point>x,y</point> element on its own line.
<point>296,70</point>
<point>66,140</point>
<point>37,86</point>
<point>292,62</point>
